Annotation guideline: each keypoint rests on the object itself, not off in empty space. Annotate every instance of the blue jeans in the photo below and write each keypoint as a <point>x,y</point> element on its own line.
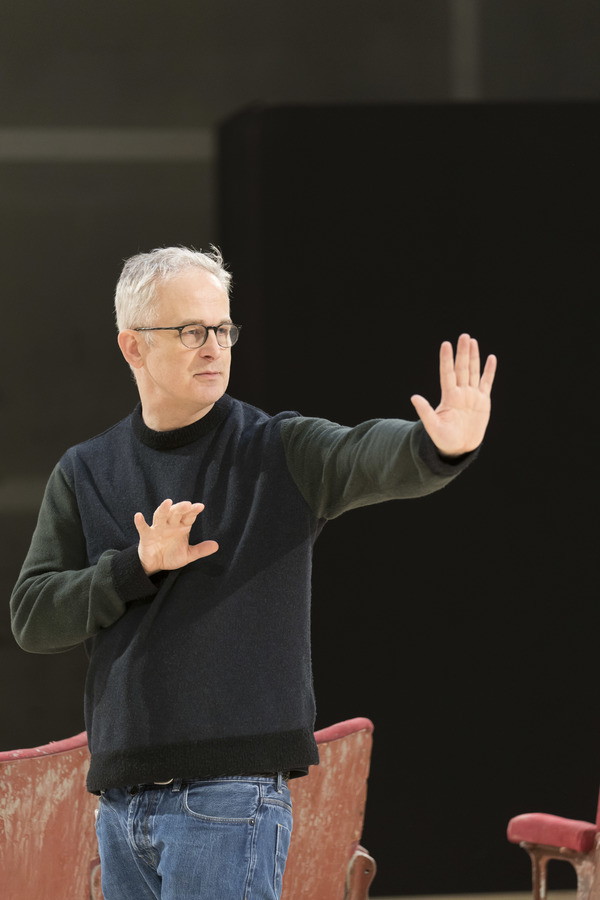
<point>205,839</point>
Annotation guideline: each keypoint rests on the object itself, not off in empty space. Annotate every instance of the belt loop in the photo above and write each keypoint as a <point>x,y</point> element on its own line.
<point>176,784</point>
<point>279,782</point>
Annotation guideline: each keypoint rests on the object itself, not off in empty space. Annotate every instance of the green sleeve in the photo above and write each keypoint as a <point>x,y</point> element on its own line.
<point>337,468</point>
<point>60,600</point>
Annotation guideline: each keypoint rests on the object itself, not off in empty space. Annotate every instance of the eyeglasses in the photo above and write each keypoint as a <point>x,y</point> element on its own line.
<point>194,336</point>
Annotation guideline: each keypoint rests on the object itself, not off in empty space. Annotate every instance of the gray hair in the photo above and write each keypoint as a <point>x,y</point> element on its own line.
<point>135,294</point>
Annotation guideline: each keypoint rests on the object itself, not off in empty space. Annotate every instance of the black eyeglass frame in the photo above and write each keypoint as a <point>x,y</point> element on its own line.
<point>207,328</point>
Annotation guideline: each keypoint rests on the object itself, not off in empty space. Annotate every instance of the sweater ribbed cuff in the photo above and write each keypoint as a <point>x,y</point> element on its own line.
<point>130,580</point>
<point>444,465</point>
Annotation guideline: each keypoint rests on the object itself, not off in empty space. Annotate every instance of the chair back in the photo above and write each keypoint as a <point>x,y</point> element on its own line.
<point>329,809</point>
<point>47,840</point>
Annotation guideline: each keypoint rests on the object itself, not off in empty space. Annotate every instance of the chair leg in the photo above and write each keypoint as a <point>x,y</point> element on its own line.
<point>539,873</point>
<point>585,877</point>
<point>95,881</point>
<point>588,887</point>
<point>585,865</point>
<point>361,872</point>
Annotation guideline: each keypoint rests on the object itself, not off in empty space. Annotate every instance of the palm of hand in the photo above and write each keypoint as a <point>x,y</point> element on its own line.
<point>461,421</point>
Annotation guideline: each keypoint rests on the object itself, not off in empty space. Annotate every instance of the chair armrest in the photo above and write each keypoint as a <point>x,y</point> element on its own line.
<point>552,831</point>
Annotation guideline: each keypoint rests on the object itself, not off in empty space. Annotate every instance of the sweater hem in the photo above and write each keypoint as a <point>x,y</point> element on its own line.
<point>291,751</point>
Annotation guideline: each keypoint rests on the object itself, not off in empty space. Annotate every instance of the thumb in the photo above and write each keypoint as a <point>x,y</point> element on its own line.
<point>205,548</point>
<point>423,407</point>
<point>141,524</point>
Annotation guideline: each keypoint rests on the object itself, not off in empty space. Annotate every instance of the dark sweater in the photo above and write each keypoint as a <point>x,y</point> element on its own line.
<point>204,670</point>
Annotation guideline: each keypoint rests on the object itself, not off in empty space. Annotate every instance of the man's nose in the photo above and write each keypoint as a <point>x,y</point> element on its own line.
<point>211,346</point>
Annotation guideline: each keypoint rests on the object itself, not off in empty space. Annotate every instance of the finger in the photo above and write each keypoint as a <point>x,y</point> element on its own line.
<point>447,373</point>
<point>184,513</point>
<point>188,518</point>
<point>489,372</point>
<point>474,363</point>
<point>205,548</point>
<point>161,513</point>
<point>461,364</point>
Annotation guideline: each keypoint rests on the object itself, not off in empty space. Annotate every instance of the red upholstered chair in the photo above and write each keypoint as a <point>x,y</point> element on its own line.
<point>326,861</point>
<point>48,845</point>
<point>547,837</point>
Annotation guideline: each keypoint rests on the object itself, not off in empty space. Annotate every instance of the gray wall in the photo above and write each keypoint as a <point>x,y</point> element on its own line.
<point>108,115</point>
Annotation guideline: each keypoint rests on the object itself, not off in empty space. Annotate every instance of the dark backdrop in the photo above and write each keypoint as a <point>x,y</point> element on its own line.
<point>464,624</point>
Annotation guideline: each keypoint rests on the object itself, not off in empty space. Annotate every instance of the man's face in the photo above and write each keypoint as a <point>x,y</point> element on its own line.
<point>177,385</point>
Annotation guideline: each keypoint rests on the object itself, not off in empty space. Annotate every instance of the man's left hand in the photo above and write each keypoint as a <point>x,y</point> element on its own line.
<point>458,424</point>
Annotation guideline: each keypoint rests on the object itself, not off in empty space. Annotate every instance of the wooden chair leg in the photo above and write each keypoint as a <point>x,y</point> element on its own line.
<point>588,874</point>
<point>539,870</point>
<point>361,872</point>
<point>585,877</point>
<point>96,881</point>
<point>585,865</point>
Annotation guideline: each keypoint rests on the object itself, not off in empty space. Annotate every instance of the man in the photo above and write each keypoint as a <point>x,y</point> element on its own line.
<point>178,546</point>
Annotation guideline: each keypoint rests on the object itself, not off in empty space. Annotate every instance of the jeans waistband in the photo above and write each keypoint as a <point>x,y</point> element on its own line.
<point>176,784</point>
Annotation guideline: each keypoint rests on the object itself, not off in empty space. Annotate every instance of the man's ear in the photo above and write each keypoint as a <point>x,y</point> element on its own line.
<point>129,342</point>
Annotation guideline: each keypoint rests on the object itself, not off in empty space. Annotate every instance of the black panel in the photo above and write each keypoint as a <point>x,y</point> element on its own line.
<point>464,624</point>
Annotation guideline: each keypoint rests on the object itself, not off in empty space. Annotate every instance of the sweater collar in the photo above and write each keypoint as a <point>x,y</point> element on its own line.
<point>179,437</point>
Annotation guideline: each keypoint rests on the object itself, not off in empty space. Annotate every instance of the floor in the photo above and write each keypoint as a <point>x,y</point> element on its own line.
<point>552,895</point>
